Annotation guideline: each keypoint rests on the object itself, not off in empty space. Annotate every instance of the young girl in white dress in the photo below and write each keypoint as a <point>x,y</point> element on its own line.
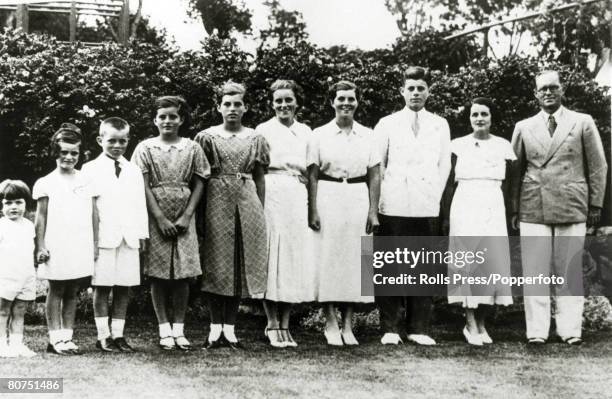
<point>66,236</point>
<point>17,273</point>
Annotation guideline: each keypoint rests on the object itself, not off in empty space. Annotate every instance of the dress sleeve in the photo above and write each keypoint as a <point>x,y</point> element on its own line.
<point>205,141</point>
<point>201,167</point>
<point>313,152</point>
<point>261,154</point>
<point>40,189</point>
<point>375,156</point>
<point>141,158</point>
<point>508,151</point>
<point>454,147</point>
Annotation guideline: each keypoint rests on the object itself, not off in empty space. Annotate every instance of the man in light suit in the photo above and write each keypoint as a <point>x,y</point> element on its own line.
<point>561,190</point>
<point>416,160</point>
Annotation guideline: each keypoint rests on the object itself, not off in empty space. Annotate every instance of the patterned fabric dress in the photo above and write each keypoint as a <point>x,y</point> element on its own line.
<point>235,253</point>
<point>170,169</point>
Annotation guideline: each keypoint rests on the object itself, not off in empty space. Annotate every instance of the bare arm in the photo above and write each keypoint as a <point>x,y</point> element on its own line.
<point>313,183</point>
<point>40,224</point>
<point>167,228</point>
<point>260,182</point>
<point>372,223</point>
<point>95,222</point>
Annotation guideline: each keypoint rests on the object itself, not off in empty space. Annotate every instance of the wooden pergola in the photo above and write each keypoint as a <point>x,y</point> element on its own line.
<point>103,8</point>
<point>487,27</point>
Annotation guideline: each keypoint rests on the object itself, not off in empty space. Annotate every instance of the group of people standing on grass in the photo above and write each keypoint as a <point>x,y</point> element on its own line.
<point>280,211</point>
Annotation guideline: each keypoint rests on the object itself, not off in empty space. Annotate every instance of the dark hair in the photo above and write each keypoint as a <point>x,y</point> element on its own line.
<point>67,133</point>
<point>417,73</point>
<point>487,102</point>
<point>114,122</point>
<point>281,84</point>
<point>15,189</point>
<point>182,107</point>
<point>230,88</point>
<point>341,85</point>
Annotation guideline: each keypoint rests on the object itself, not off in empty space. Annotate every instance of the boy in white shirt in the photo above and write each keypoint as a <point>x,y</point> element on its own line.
<point>123,229</point>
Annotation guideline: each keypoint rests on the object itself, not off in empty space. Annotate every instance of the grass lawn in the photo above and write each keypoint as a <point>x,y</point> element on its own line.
<point>507,369</point>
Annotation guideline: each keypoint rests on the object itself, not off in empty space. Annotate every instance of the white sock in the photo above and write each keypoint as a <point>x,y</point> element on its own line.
<point>16,339</point>
<point>215,332</point>
<point>228,332</point>
<point>66,334</point>
<point>117,326</point>
<point>165,330</point>
<point>177,330</point>
<point>102,327</point>
<point>55,336</point>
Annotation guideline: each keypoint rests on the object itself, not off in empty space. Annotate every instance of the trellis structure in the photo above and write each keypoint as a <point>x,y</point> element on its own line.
<point>103,8</point>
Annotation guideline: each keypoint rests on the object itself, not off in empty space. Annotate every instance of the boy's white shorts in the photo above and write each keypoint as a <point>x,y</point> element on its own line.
<point>117,266</point>
<point>22,288</point>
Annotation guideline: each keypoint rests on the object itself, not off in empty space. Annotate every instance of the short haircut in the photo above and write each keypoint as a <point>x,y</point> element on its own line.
<point>487,102</point>
<point>230,88</point>
<point>182,107</point>
<point>341,85</point>
<point>114,122</point>
<point>281,84</point>
<point>547,72</point>
<point>417,73</point>
<point>67,133</point>
<point>15,189</point>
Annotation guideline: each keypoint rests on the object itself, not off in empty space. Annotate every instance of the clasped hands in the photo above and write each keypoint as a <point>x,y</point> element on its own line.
<point>171,230</point>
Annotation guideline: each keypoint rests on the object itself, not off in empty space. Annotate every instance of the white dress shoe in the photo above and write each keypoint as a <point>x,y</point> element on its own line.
<point>391,339</point>
<point>472,339</point>
<point>485,338</point>
<point>421,339</point>
<point>333,338</point>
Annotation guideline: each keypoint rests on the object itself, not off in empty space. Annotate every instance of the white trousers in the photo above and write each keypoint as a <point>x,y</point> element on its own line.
<point>553,258</point>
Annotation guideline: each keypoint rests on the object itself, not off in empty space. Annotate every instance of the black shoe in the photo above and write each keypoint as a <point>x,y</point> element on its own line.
<point>51,348</point>
<point>236,345</point>
<point>106,345</point>
<point>214,344</point>
<point>123,346</point>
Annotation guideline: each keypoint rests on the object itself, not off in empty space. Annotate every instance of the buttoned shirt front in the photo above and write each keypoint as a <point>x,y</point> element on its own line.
<point>121,204</point>
<point>343,155</point>
<point>414,167</point>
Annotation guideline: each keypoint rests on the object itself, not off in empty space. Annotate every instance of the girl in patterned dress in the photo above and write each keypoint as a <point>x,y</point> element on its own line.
<point>235,250</point>
<point>173,168</point>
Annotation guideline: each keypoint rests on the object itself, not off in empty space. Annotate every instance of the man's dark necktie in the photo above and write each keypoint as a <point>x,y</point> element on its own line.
<point>552,125</point>
<point>117,168</point>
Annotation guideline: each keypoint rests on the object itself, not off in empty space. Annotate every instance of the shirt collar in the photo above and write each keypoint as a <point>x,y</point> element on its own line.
<point>557,114</point>
<point>179,145</point>
<point>412,113</point>
<point>357,128</point>
<point>108,159</point>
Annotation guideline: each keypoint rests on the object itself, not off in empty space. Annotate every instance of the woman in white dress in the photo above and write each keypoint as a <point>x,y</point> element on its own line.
<point>291,272</point>
<point>481,163</point>
<point>344,186</point>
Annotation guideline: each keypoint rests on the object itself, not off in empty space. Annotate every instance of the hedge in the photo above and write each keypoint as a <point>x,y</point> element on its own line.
<point>44,83</point>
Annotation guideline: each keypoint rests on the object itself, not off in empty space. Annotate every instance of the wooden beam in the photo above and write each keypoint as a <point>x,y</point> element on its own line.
<point>73,21</point>
<point>23,20</point>
<point>521,18</point>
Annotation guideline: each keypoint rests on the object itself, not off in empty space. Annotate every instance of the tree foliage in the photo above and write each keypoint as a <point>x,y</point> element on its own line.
<point>222,17</point>
<point>284,26</point>
<point>43,83</point>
